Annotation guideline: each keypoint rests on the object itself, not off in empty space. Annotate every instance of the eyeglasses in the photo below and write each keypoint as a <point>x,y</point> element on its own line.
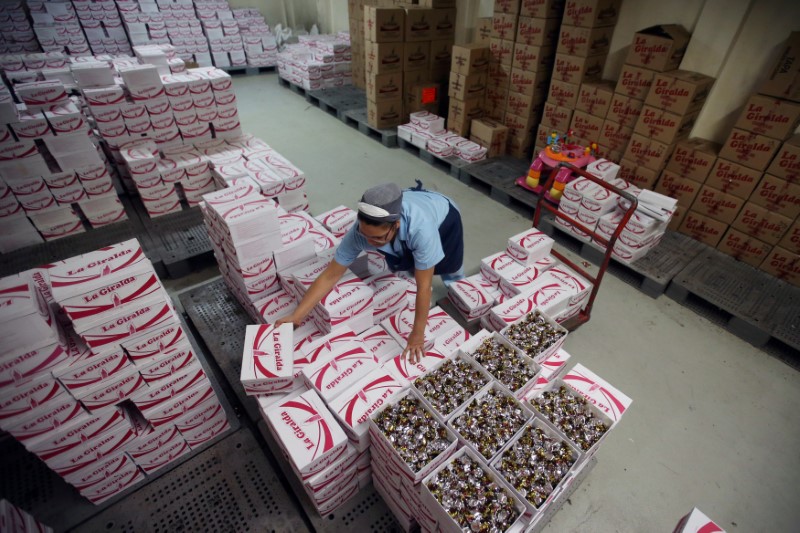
<point>378,238</point>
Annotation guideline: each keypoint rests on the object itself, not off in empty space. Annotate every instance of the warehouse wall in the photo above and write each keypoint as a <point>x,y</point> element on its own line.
<point>735,41</point>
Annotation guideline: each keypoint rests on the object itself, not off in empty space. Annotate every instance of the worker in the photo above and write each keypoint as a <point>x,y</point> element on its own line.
<point>417,231</point>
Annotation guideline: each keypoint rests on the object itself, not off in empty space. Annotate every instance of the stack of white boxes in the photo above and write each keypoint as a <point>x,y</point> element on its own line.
<point>426,131</point>
<point>601,210</point>
<point>57,27</point>
<point>50,167</point>
<point>12,518</point>
<point>121,393</point>
<point>317,62</point>
<point>167,22</point>
<point>222,31</point>
<point>260,45</point>
<point>16,34</point>
<point>102,26</point>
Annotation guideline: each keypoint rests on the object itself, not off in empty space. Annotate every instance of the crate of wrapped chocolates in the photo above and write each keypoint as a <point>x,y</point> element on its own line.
<point>451,384</point>
<point>490,420</point>
<point>466,495</point>
<point>407,435</point>
<point>535,463</point>
<point>536,334</point>
<point>583,406</point>
<point>506,363</point>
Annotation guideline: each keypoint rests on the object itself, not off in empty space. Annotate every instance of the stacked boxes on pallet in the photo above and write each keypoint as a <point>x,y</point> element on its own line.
<point>103,27</point>
<point>52,170</point>
<point>58,27</point>
<point>355,12</point>
<point>384,48</point>
<point>469,67</point>
<point>577,99</point>
<point>317,62</point>
<point>99,379</point>
<point>16,34</point>
<point>523,44</point>
<point>260,45</point>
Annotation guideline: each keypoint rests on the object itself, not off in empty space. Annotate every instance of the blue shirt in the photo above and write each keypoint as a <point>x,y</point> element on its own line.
<point>423,212</point>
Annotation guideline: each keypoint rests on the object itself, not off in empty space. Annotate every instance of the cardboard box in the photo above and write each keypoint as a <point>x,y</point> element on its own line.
<point>385,114</point>
<point>466,87</point>
<point>537,32</point>
<point>595,98</point>
<point>647,152</point>
<point>76,433</point>
<point>717,204</point>
<point>501,51</point>
<point>762,223</point>
<point>471,300</point>
<point>533,84</point>
<point>444,23</point>
<point>505,6</point>
<point>179,406</point>
<point>267,359</point>
<point>693,158</point>
<point>532,58</point>
<point>389,295</point>
<point>584,42</point>
<point>783,265</point>
<point>504,26</point>
<point>483,31</point>
<point>384,25</point>
<point>563,94</point>
<point>103,367</point>
<point>576,69</point>
<point>586,126</point>
<point>177,360</point>
<point>462,113</point>
<point>625,110</point>
<point>778,195</point>
<point>784,78</point>
<point>542,8</point>
<point>382,58</point>
<point>591,13</point>
<point>664,126</point>
<point>557,118</point>
<point>382,345</point>
<point>420,24</point>
<point>682,189</point>
<point>400,325</point>
<point>442,53</point>
<point>791,241</point>
<point>470,58</point>
<point>786,164</point>
<point>696,522</point>
<point>490,134</point>
<point>771,117</point>
<point>18,403</point>
<point>306,431</point>
<point>417,56</point>
<point>384,87</point>
<point>132,319</point>
<point>638,175</point>
<point>346,366</point>
<point>660,48</point>
<point>744,247</point>
<point>703,228</point>
<point>733,178</point>
<point>679,91</point>
<point>613,137</point>
<point>635,82</point>
<point>125,385</point>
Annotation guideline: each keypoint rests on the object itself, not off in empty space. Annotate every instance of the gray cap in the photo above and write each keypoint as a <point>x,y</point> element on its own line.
<point>382,203</point>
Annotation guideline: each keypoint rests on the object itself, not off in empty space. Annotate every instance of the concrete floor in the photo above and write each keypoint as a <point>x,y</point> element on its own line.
<point>714,421</point>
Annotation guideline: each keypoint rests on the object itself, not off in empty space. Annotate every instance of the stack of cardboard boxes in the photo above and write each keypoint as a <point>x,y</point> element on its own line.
<point>407,55</point>
<point>654,50</point>
<point>260,45</point>
<point>355,16</point>
<point>16,34</point>
<point>523,41</point>
<point>469,68</point>
<point>577,99</point>
<point>58,27</point>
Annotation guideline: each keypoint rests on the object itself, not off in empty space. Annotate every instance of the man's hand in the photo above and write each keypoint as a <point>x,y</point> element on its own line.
<point>415,350</point>
<point>289,319</point>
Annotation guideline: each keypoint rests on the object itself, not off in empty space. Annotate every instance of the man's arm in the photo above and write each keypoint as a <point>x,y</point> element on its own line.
<point>415,350</point>
<point>321,286</point>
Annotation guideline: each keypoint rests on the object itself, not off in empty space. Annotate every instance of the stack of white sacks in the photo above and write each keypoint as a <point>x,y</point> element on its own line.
<point>54,178</point>
<point>317,62</point>
<point>167,22</point>
<point>98,378</point>
<point>260,44</point>
<point>426,131</point>
<point>513,282</point>
<point>599,209</point>
<point>12,518</point>
<point>16,34</point>
<point>57,27</point>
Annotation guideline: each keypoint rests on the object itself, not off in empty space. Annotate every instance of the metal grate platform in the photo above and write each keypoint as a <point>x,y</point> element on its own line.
<point>339,100</point>
<point>365,509</point>
<point>181,240</point>
<point>497,176</point>
<point>220,321</point>
<point>230,487</point>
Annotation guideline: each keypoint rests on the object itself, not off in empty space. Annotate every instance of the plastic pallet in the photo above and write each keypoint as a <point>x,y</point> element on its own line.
<point>294,88</point>
<point>496,177</point>
<point>747,302</point>
<point>220,322</point>
<point>247,70</point>
<point>337,101</point>
<point>358,118</point>
<point>230,487</point>
<point>30,484</point>
<point>450,164</point>
<point>366,511</point>
<point>181,240</point>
